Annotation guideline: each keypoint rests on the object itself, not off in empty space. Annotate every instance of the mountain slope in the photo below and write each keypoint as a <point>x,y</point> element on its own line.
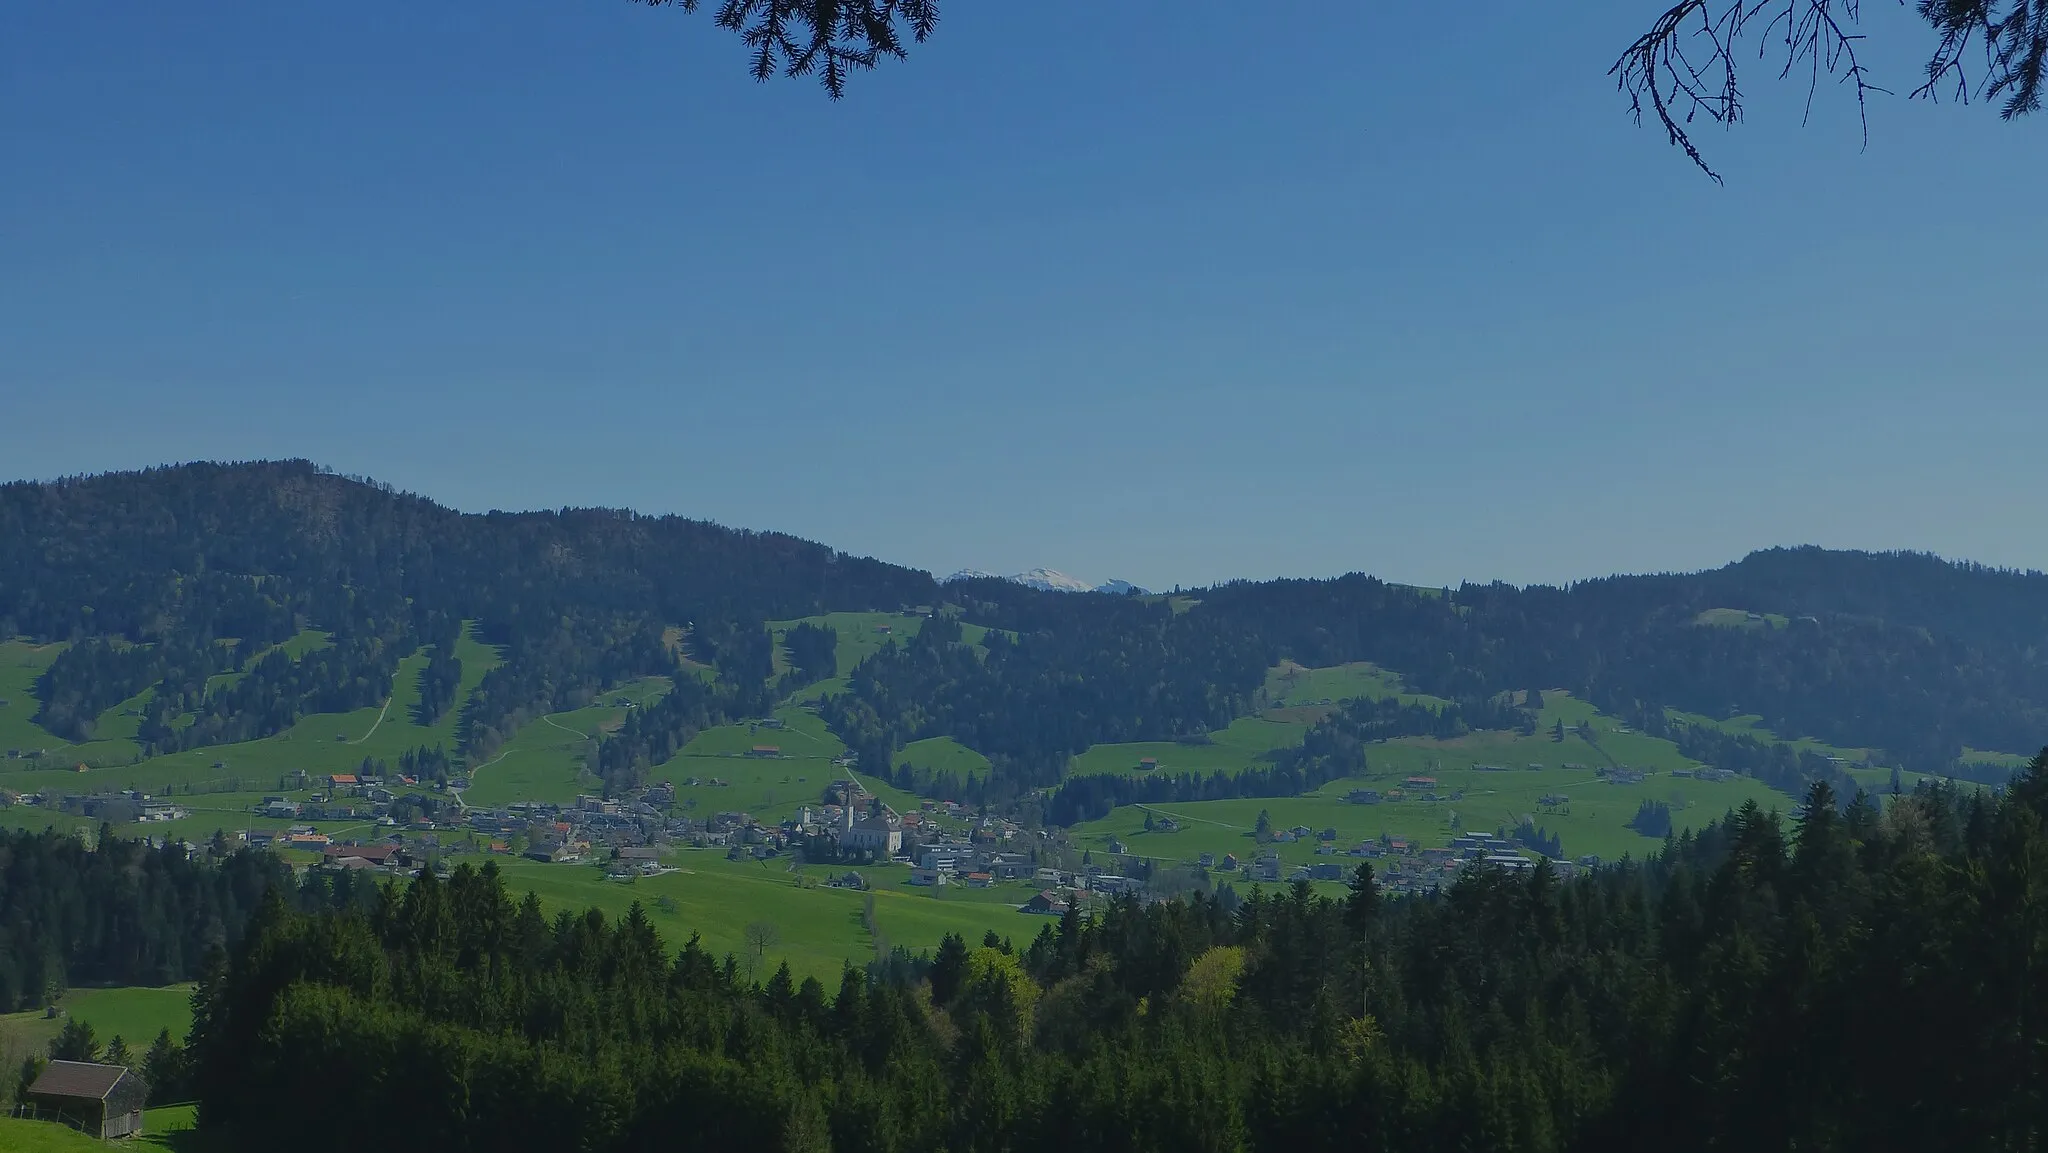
<point>163,582</point>
<point>152,572</point>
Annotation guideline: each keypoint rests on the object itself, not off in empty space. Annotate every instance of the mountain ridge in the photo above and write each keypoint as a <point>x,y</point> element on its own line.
<point>142,572</point>
<point>1049,580</point>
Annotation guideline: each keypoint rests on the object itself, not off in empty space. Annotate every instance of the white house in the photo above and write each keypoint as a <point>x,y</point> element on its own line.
<point>882,836</point>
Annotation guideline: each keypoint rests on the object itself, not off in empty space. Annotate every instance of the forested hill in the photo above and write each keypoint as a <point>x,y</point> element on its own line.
<point>146,574</point>
<point>174,559</point>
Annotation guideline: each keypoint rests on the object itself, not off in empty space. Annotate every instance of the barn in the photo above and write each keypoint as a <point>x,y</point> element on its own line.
<point>99,1100</point>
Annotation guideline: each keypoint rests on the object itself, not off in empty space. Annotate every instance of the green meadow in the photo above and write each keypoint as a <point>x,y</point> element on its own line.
<point>942,755</point>
<point>21,663</point>
<point>861,635</point>
<point>1245,744</point>
<point>819,929</point>
<point>1595,820</point>
<point>547,759</point>
<point>135,1014</point>
<point>23,1136</point>
<point>170,1127</point>
<point>321,743</point>
<point>1588,813</point>
<point>1292,685</point>
<point>1739,619</point>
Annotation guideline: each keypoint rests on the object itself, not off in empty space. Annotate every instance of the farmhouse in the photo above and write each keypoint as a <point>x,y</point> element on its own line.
<point>101,1100</point>
<point>765,751</point>
<point>379,855</point>
<point>1046,901</point>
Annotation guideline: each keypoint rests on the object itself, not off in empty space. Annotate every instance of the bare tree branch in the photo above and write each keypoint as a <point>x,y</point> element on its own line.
<point>1684,67</point>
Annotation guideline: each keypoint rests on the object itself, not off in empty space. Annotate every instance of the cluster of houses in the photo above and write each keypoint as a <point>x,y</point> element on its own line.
<point>594,825</point>
<point>1399,865</point>
<point>337,797</point>
<point>119,808</point>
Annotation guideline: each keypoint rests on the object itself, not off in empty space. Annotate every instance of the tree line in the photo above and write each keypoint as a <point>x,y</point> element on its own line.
<point>1856,978</point>
<point>1332,749</point>
<point>120,913</point>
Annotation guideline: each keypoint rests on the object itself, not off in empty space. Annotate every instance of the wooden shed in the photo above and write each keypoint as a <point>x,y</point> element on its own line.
<point>99,1100</point>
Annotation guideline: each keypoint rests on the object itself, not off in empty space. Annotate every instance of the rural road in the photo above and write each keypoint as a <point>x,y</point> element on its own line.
<point>373,728</point>
<point>551,721</point>
<point>457,793</point>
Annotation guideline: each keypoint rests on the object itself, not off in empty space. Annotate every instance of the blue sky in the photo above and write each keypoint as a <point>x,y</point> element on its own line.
<point>1209,290</point>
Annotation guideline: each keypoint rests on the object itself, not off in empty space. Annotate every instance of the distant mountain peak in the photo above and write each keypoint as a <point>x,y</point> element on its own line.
<point>1048,580</point>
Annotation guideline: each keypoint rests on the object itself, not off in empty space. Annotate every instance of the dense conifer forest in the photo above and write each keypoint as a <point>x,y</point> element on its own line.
<point>1839,980</point>
<point>123,913</point>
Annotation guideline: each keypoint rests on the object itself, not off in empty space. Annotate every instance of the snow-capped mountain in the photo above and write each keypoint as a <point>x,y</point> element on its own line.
<point>1049,580</point>
<point>1052,580</point>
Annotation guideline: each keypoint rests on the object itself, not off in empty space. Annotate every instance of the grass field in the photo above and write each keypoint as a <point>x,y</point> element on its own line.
<point>1243,745</point>
<point>861,635</point>
<point>942,755</point>
<point>819,928</point>
<point>321,743</point>
<point>18,1136</point>
<point>20,664</point>
<point>1594,821</point>
<point>546,759</point>
<point>165,1127</point>
<point>134,1014</point>
<point>1289,684</point>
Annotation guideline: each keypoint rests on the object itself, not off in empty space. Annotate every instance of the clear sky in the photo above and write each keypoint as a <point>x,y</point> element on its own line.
<point>1167,292</point>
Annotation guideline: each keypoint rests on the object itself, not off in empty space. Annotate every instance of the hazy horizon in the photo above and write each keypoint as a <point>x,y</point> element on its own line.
<point>942,572</point>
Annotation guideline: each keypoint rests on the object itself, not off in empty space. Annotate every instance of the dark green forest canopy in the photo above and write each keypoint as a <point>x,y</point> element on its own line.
<point>1684,67</point>
<point>1854,981</point>
<point>148,573</point>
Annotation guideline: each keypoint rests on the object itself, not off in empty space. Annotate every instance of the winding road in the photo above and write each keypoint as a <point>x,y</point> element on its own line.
<point>373,728</point>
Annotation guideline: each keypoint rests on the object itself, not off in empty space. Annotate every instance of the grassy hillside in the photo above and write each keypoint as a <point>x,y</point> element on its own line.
<point>320,743</point>
<point>1244,744</point>
<point>1289,685</point>
<point>545,760</point>
<point>860,634</point>
<point>1592,819</point>
<point>820,929</point>
<point>942,755</point>
<point>20,664</point>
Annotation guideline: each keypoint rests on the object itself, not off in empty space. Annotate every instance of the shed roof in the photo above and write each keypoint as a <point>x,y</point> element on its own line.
<point>78,1079</point>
